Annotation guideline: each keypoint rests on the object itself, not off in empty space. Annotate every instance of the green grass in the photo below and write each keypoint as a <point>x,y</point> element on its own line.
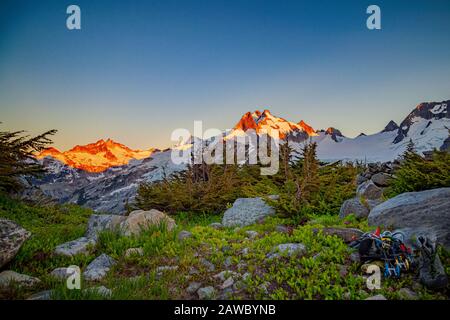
<point>317,275</point>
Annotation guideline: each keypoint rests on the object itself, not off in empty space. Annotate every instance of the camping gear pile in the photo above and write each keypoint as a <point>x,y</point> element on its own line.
<point>386,247</point>
<point>390,248</point>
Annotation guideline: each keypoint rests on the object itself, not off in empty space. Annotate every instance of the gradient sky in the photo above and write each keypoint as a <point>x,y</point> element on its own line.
<point>139,69</point>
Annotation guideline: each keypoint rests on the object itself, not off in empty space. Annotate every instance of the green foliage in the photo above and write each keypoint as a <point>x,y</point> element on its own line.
<point>16,157</point>
<point>182,193</point>
<point>417,173</point>
<point>49,227</point>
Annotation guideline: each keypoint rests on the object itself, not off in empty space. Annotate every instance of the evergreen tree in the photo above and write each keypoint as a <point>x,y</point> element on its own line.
<point>310,177</point>
<point>17,157</point>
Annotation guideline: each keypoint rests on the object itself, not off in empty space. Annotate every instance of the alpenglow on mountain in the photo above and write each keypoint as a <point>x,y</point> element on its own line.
<point>96,157</point>
<point>105,175</point>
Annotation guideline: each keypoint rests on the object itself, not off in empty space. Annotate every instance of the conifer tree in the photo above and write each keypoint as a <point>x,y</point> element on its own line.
<point>17,157</point>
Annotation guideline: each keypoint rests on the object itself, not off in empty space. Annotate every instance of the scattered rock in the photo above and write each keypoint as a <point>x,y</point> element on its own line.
<point>193,271</point>
<point>381,179</point>
<point>227,283</point>
<point>425,212</point>
<point>12,236</point>
<point>369,190</point>
<point>245,251</point>
<point>246,211</point>
<point>289,249</point>
<point>346,234</point>
<point>134,252</point>
<point>223,275</point>
<point>228,262</point>
<point>353,206</point>
<point>251,234</point>
<point>193,287</point>
<point>74,247</point>
<point>42,295</point>
<point>184,235</point>
<point>63,273</point>
<point>216,225</point>
<point>377,297</point>
<point>22,280</point>
<point>101,290</point>
<point>226,293</point>
<point>282,229</point>
<point>246,276</point>
<point>264,287</point>
<point>209,266</point>
<point>98,268</point>
<point>407,294</point>
<point>206,293</point>
<point>226,248</point>
<point>103,222</point>
<point>373,203</point>
<point>166,268</point>
<point>140,220</point>
<point>360,179</point>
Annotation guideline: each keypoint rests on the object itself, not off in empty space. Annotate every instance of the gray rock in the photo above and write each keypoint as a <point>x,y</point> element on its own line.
<point>288,249</point>
<point>346,234</point>
<point>74,247</point>
<point>102,222</point>
<point>251,234</point>
<point>381,179</point>
<point>42,295</point>
<point>246,276</point>
<point>98,268</point>
<point>206,293</point>
<point>360,179</point>
<point>223,275</point>
<point>184,235</point>
<point>282,229</point>
<point>373,203</point>
<point>216,225</point>
<point>228,262</point>
<point>377,297</point>
<point>193,287</point>
<point>245,251</point>
<point>137,252</point>
<point>246,211</point>
<point>22,280</point>
<point>227,283</point>
<point>140,220</point>
<point>407,294</point>
<point>369,190</point>
<point>101,290</point>
<point>353,206</point>
<point>226,248</point>
<point>426,212</point>
<point>62,273</point>
<point>226,293</point>
<point>209,266</point>
<point>12,236</point>
<point>193,271</point>
<point>166,268</point>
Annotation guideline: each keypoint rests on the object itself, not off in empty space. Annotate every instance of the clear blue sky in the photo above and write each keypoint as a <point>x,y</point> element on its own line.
<point>139,69</point>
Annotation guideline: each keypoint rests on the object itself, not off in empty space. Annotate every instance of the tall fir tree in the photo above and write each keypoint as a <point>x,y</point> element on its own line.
<point>17,160</point>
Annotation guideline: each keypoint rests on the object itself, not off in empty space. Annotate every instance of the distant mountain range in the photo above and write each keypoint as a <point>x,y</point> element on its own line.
<point>105,175</point>
<point>96,157</point>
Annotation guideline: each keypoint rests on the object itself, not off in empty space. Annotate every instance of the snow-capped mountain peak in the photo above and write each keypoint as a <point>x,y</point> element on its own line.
<point>97,156</point>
